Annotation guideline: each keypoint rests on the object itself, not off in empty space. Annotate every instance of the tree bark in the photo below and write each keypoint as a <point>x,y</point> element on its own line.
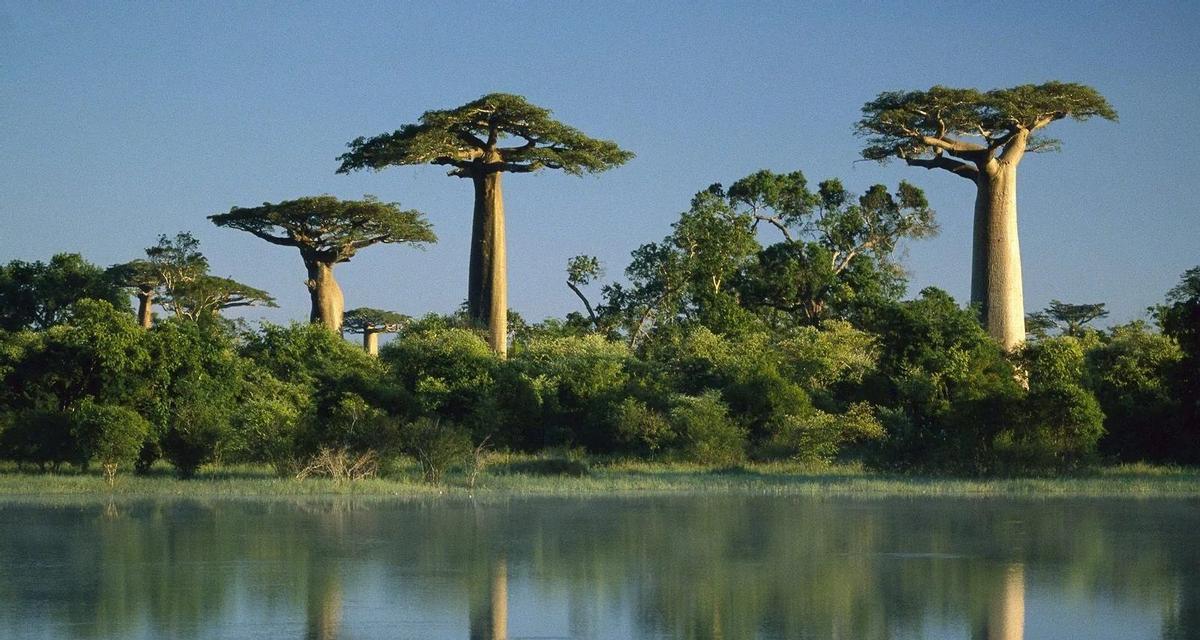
<point>996,285</point>
<point>327,301</point>
<point>487,286</point>
<point>145,300</point>
<point>371,342</point>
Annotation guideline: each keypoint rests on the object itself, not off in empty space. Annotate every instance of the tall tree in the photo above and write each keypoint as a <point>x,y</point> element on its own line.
<point>468,140</point>
<point>372,322</point>
<point>980,136</point>
<point>38,295</point>
<point>142,278</point>
<point>328,231</point>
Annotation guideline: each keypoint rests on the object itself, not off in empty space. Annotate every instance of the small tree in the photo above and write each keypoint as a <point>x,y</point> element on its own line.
<point>372,322</point>
<point>328,231</point>
<point>980,136</point>
<point>582,270</point>
<point>468,139</point>
<point>111,434</point>
<point>1073,318</point>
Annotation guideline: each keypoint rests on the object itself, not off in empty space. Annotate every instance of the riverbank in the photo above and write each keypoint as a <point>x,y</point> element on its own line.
<point>524,477</point>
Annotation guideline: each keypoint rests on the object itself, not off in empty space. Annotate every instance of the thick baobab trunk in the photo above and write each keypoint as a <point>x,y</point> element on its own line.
<point>996,256</point>
<point>145,300</point>
<point>371,341</point>
<point>327,302</point>
<point>487,288</point>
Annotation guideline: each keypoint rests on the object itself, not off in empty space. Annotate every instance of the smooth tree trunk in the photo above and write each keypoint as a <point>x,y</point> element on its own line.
<point>371,342</point>
<point>996,286</point>
<point>328,304</point>
<point>487,286</point>
<point>145,317</point>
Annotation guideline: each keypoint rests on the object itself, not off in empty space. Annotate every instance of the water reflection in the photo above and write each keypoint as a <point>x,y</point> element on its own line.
<point>710,567</point>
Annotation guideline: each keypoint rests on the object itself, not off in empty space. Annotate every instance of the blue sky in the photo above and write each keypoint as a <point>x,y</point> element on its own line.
<point>119,122</point>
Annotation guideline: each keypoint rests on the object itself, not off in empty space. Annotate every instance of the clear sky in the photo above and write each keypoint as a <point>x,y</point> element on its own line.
<point>119,122</point>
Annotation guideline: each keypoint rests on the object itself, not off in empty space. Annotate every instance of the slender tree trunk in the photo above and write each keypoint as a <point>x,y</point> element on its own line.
<point>327,302</point>
<point>487,286</point>
<point>371,342</point>
<point>145,300</point>
<point>996,255</point>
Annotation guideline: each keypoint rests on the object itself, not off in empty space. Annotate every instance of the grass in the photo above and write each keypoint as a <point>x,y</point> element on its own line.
<point>515,476</point>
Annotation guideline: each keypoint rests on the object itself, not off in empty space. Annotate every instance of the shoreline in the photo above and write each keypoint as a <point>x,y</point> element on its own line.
<point>618,480</point>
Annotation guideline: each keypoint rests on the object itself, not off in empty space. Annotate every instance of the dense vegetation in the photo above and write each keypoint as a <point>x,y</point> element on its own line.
<point>770,323</point>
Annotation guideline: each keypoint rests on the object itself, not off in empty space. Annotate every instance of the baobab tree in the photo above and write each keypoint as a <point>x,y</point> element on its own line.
<point>372,322</point>
<point>328,231</point>
<point>980,136</point>
<point>468,140</point>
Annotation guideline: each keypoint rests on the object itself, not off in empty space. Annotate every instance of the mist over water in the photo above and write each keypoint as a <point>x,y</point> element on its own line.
<point>663,567</point>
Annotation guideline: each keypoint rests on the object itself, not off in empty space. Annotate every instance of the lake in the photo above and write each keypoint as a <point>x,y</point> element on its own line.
<point>727,567</point>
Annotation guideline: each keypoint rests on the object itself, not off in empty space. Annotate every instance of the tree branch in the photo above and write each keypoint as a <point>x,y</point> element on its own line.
<point>957,167</point>
<point>586,304</point>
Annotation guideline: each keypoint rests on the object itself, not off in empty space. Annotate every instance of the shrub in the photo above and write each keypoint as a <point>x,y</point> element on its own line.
<point>39,436</point>
<point>438,446</point>
<point>640,428</point>
<point>110,434</point>
<point>706,433</point>
<point>820,436</point>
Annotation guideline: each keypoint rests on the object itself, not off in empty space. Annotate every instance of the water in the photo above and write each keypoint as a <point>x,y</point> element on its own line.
<point>671,567</point>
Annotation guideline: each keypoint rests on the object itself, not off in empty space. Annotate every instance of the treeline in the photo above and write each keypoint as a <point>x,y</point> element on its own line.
<point>768,324</point>
<point>718,348</point>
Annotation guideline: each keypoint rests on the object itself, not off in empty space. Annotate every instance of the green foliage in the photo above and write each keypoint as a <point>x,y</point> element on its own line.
<point>1063,422</point>
<point>460,138</point>
<point>110,434</point>
<point>437,445</point>
<point>329,230</point>
<point>450,373</point>
<point>820,436</point>
<point>41,437</point>
<point>308,355</point>
<point>640,428</point>
<point>368,320</point>
<point>920,124</point>
<point>38,295</point>
<point>706,432</point>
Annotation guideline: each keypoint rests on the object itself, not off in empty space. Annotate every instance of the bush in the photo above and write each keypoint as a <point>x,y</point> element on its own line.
<point>110,434</point>
<point>641,429</point>
<point>820,436</point>
<point>706,433</point>
<point>438,446</point>
<point>39,436</point>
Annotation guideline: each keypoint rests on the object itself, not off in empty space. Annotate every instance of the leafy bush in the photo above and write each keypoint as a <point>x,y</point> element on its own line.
<point>438,446</point>
<point>640,428</point>
<point>38,436</point>
<point>706,432</point>
<point>820,436</point>
<point>110,434</point>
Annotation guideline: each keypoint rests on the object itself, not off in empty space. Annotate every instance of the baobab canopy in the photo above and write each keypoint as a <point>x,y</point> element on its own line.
<point>328,231</point>
<point>471,140</point>
<point>980,136</point>
<point>922,127</point>
<point>462,138</point>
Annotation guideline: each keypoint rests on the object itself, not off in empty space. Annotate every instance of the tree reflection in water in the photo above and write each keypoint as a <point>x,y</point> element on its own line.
<point>678,567</point>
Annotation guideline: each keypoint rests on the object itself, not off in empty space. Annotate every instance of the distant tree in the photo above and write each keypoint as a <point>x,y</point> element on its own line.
<point>1180,319</point>
<point>980,136</point>
<point>1038,324</point>
<point>372,322</point>
<point>467,139</point>
<point>142,278</point>
<point>836,247</point>
<point>581,271</point>
<point>39,295</point>
<point>175,274</point>
<point>206,296</point>
<point>1074,317</point>
<point>328,231</point>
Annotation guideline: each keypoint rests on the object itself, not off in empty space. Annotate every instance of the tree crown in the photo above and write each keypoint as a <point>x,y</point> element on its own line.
<point>467,138</point>
<point>366,319</point>
<point>971,124</point>
<point>327,229</point>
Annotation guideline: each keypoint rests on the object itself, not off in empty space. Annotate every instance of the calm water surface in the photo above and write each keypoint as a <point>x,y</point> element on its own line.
<point>672,567</point>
